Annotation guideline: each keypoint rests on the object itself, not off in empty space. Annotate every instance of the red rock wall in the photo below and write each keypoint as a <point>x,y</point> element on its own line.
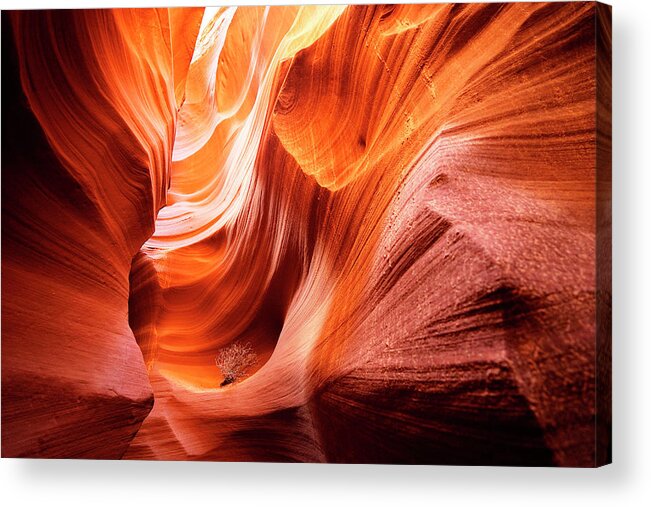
<point>80,192</point>
<point>394,205</point>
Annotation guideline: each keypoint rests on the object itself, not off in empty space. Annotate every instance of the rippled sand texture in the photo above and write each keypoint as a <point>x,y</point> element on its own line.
<point>394,205</point>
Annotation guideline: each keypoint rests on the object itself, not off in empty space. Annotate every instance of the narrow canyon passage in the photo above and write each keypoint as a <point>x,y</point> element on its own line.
<point>357,192</point>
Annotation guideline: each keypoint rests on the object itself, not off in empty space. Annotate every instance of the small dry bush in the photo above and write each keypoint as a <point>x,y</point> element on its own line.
<point>234,360</point>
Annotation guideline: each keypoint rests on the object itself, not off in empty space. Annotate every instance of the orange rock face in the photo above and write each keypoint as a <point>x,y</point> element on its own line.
<point>396,207</point>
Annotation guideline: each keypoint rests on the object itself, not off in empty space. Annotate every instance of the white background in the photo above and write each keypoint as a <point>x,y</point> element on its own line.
<point>626,482</point>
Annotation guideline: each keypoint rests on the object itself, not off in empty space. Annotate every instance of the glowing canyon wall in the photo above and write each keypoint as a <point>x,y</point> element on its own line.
<point>403,209</point>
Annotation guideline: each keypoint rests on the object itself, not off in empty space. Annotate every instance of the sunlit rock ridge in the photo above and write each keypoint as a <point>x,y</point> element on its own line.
<point>395,207</point>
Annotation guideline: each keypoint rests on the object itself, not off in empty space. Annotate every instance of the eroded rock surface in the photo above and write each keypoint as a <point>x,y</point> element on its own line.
<point>395,205</point>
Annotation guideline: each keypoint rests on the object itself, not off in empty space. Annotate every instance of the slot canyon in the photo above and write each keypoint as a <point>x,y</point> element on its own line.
<point>396,207</point>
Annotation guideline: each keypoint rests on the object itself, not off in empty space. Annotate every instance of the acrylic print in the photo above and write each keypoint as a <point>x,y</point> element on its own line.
<point>339,234</point>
